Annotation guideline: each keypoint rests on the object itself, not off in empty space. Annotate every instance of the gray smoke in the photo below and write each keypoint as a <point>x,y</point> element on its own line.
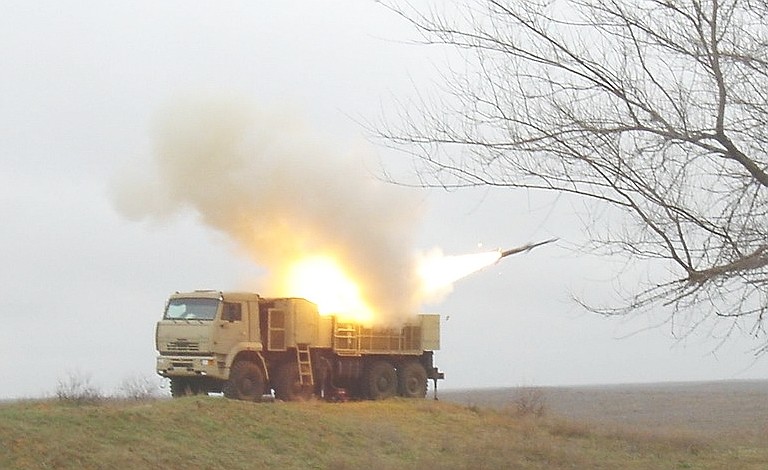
<point>281,192</point>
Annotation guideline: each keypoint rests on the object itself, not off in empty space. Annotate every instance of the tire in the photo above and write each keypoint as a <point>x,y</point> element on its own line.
<point>180,387</point>
<point>246,382</point>
<point>186,386</point>
<point>288,385</point>
<point>412,380</point>
<point>381,381</point>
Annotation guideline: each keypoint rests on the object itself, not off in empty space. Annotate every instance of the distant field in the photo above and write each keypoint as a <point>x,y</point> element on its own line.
<point>729,409</point>
<point>398,434</point>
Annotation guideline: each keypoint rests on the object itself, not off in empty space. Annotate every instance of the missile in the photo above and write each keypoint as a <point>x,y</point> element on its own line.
<point>525,248</point>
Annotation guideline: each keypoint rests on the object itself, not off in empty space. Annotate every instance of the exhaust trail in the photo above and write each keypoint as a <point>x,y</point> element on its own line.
<point>439,272</point>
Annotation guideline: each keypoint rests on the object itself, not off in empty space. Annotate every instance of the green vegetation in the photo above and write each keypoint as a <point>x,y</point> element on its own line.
<point>210,433</point>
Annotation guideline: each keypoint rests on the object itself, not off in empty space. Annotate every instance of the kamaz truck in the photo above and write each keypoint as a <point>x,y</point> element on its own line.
<point>250,347</point>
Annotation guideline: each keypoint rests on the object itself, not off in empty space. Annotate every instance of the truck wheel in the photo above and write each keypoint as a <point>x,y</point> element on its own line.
<point>180,387</point>
<point>288,385</point>
<point>381,381</point>
<point>412,380</point>
<point>246,382</point>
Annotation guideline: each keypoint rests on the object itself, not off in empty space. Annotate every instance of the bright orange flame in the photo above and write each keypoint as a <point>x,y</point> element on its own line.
<point>323,281</point>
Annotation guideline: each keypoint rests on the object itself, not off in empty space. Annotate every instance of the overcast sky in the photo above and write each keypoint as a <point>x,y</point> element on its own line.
<point>82,285</point>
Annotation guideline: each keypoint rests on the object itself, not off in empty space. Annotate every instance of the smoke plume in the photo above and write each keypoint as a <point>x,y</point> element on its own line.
<point>281,193</point>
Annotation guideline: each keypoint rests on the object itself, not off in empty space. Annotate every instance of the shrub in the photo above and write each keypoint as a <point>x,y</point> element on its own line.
<point>76,388</point>
<point>529,401</point>
<point>140,387</point>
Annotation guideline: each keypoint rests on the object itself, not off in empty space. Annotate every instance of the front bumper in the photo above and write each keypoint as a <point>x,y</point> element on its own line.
<point>191,366</point>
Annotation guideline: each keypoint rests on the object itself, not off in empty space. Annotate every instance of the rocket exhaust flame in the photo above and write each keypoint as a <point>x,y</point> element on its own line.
<point>438,273</point>
<point>323,281</point>
<point>293,203</point>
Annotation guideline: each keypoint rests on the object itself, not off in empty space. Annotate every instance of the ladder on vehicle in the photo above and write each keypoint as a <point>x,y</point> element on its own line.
<point>304,360</point>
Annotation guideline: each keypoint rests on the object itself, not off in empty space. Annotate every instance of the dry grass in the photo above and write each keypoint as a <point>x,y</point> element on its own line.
<point>211,433</point>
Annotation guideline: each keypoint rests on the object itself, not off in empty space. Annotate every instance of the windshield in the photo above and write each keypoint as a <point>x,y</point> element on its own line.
<point>191,309</point>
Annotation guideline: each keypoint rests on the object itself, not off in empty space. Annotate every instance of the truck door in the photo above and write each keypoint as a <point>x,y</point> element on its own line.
<point>232,326</point>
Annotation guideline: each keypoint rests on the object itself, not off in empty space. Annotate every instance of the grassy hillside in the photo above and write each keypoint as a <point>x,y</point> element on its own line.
<point>210,432</point>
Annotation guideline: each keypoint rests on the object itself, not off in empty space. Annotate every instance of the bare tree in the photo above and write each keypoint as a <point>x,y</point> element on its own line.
<point>652,111</point>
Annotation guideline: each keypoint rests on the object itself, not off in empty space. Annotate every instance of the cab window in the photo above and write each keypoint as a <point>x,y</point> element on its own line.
<point>191,309</point>
<point>232,312</point>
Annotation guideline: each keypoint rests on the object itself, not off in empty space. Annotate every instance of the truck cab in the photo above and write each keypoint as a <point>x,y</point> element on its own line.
<point>199,335</point>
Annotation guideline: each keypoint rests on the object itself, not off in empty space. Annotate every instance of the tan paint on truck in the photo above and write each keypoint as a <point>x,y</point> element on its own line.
<point>205,334</point>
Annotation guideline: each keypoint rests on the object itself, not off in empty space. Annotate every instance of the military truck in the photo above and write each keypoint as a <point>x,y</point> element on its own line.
<point>250,347</point>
